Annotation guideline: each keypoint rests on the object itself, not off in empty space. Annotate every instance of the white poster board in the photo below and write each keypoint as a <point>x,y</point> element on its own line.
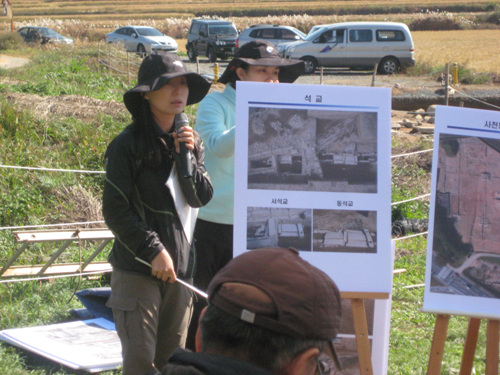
<point>463,252</point>
<point>312,171</point>
<point>89,345</point>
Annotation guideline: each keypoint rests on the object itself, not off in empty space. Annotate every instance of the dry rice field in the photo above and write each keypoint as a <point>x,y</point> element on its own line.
<point>476,49</point>
<point>91,19</point>
<point>71,8</point>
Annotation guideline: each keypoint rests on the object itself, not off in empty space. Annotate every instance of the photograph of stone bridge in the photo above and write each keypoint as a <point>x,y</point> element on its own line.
<point>312,150</point>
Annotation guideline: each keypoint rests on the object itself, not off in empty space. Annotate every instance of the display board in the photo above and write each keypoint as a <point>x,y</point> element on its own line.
<point>88,345</point>
<point>312,171</point>
<point>463,252</point>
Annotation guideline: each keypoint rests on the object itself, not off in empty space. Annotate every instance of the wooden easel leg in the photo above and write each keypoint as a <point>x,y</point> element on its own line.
<point>437,348</point>
<point>362,339</point>
<point>470,346</point>
<point>492,346</point>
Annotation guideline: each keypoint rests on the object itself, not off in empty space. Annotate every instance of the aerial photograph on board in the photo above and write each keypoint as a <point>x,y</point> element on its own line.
<point>466,244</point>
<point>312,150</point>
<point>335,231</point>
<point>343,231</point>
<point>279,227</point>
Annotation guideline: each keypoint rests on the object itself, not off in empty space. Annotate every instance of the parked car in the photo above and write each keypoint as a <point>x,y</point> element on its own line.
<point>316,28</point>
<point>43,35</point>
<point>356,45</point>
<point>212,38</point>
<point>276,34</point>
<point>142,39</point>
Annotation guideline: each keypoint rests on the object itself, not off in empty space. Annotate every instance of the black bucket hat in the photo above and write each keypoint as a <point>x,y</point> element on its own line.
<point>262,53</point>
<point>155,71</point>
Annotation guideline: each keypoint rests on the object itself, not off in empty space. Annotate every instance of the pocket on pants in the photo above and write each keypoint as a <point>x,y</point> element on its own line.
<point>127,320</point>
<point>121,302</point>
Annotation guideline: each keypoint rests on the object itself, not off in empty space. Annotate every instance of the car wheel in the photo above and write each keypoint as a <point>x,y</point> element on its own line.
<point>211,55</point>
<point>388,65</point>
<point>310,65</point>
<point>191,53</point>
<point>141,50</point>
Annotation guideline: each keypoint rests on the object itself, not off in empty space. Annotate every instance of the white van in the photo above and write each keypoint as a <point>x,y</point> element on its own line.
<point>356,45</point>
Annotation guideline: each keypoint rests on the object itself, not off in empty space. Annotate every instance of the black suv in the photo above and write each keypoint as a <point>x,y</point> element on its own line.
<point>212,38</point>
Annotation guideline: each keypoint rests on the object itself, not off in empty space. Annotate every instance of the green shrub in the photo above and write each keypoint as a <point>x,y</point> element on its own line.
<point>467,76</point>
<point>10,41</point>
<point>420,69</point>
<point>493,16</point>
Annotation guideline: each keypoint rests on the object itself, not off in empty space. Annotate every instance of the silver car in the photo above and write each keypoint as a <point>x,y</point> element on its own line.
<point>388,45</point>
<point>142,39</point>
<point>316,28</point>
<point>278,35</point>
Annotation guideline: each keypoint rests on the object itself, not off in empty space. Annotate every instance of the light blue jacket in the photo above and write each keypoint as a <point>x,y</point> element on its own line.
<point>215,122</point>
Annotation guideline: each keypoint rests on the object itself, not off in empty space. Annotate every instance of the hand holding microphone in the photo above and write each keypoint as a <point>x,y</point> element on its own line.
<point>181,121</point>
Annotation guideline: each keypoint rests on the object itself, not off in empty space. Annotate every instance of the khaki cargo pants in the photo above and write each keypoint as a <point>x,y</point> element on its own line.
<point>151,318</point>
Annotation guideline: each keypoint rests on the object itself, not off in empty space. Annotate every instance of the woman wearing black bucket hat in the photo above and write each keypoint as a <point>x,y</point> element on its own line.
<point>151,248</point>
<point>257,61</point>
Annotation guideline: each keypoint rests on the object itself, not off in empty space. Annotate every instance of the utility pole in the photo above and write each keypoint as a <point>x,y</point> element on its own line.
<point>7,8</point>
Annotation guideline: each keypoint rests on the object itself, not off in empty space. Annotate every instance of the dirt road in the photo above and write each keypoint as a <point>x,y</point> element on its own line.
<point>8,62</point>
<point>409,92</point>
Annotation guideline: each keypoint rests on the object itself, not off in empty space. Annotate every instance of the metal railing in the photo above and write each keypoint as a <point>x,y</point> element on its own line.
<point>66,238</point>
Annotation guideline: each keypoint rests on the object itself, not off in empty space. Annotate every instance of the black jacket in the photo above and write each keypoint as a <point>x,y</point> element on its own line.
<point>184,362</point>
<point>138,207</point>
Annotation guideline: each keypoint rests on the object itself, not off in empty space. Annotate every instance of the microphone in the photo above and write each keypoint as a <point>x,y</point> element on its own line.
<point>181,120</point>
